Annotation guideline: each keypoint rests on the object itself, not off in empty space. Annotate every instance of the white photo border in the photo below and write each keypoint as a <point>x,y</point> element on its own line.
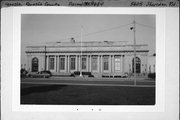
<point>160,60</point>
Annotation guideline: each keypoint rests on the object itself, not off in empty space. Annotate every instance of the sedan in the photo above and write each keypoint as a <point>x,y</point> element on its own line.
<point>41,74</point>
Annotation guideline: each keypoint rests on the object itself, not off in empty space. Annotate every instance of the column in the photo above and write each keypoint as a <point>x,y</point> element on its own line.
<point>90,63</point>
<point>67,63</point>
<point>112,63</point>
<point>79,63</point>
<point>102,63</point>
<point>120,64</point>
<point>87,63</point>
<point>43,63</point>
<point>99,63</point>
<point>123,64</point>
<point>76,63</point>
<point>57,63</point>
<point>47,64</point>
<point>109,63</point>
<point>146,63</point>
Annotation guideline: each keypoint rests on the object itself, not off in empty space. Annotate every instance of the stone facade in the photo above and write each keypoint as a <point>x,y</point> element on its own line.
<point>96,57</point>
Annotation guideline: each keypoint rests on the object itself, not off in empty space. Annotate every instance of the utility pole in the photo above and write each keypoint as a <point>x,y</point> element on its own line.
<point>45,58</point>
<point>134,47</point>
<point>134,29</point>
<point>81,52</point>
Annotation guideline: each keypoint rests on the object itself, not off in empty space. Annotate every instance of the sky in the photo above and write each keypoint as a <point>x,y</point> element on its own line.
<point>37,29</point>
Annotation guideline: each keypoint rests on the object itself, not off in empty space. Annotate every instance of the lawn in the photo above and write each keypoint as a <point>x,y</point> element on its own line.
<point>86,95</point>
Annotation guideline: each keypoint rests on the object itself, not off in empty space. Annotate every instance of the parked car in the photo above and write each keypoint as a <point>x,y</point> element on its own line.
<point>152,75</point>
<point>46,72</point>
<point>41,74</point>
<point>23,73</point>
<point>77,73</point>
<point>125,75</point>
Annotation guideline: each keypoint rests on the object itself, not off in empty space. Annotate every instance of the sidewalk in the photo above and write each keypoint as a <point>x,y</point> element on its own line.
<point>143,79</point>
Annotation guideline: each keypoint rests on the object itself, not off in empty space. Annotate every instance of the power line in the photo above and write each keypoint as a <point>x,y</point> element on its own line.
<point>92,33</point>
<point>97,32</point>
<point>118,27</point>
<point>147,26</point>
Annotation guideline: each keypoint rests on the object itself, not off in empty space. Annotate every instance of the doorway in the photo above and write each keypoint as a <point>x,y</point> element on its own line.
<point>35,64</point>
<point>138,65</point>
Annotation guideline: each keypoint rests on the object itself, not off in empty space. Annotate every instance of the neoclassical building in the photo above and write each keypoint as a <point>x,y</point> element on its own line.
<point>99,58</point>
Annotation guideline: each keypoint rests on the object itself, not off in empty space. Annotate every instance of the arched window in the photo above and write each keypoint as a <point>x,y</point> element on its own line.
<point>35,64</point>
<point>138,65</point>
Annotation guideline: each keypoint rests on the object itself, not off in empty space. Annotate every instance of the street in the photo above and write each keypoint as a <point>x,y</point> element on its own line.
<point>90,81</point>
<point>87,91</point>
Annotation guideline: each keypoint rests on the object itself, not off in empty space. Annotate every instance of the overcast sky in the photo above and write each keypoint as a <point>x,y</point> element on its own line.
<point>39,29</point>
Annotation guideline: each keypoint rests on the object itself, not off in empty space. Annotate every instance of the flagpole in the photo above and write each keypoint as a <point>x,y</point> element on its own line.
<point>81,52</point>
<point>45,58</point>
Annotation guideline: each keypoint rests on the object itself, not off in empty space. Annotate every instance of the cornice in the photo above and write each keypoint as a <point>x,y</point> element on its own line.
<point>86,51</point>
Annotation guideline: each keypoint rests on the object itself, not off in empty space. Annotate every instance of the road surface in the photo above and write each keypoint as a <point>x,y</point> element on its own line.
<point>139,82</point>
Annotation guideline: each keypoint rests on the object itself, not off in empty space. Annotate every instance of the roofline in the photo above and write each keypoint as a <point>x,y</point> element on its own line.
<point>42,46</point>
<point>85,51</point>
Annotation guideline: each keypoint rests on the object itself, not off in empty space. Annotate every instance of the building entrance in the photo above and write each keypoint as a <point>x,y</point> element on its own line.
<point>35,65</point>
<point>138,65</point>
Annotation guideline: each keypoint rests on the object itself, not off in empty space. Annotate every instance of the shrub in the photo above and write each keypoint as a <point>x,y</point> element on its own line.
<point>152,75</point>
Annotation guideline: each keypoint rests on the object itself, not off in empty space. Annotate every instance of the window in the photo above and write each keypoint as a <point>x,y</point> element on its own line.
<point>62,63</point>
<point>51,63</point>
<point>83,63</point>
<point>106,63</point>
<point>73,61</point>
<point>94,63</point>
<point>117,64</point>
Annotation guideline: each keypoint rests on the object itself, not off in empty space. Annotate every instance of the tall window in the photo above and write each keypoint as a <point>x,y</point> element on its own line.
<point>73,63</point>
<point>94,63</point>
<point>83,63</point>
<point>51,63</point>
<point>62,63</point>
<point>117,64</point>
<point>106,63</point>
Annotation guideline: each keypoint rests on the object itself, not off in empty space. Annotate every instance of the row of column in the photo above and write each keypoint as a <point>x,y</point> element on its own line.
<point>113,60</point>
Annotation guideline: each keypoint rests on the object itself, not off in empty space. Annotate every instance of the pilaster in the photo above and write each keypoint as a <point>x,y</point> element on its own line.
<point>47,60</point>
<point>112,63</point>
<point>101,63</point>
<point>58,63</point>
<point>90,58</point>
